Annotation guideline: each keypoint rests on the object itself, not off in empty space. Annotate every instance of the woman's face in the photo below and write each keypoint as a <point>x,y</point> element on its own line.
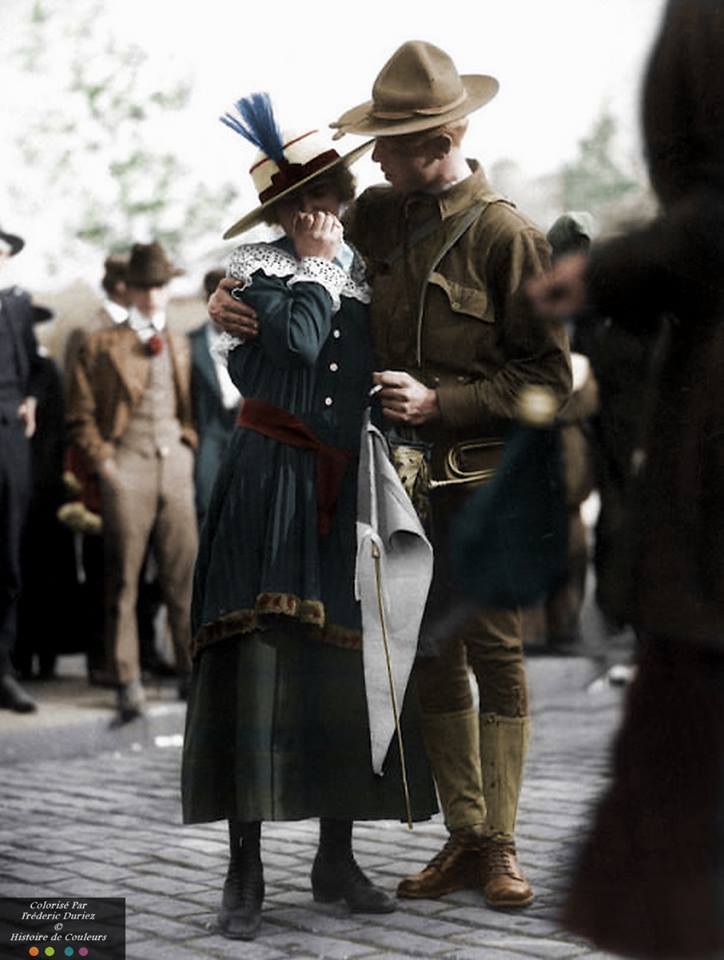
<point>318,195</point>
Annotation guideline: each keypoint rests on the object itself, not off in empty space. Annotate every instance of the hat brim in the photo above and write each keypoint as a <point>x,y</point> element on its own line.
<point>479,90</point>
<point>16,243</point>
<point>257,214</point>
<point>42,314</point>
<point>142,280</point>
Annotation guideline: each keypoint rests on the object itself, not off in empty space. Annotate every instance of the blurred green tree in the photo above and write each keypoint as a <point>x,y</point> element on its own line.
<point>107,141</point>
<point>595,181</point>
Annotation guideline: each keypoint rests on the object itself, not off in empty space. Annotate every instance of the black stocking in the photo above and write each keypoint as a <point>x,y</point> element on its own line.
<point>244,840</point>
<point>335,839</point>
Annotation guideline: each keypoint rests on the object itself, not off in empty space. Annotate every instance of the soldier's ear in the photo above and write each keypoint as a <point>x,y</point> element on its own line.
<point>440,146</point>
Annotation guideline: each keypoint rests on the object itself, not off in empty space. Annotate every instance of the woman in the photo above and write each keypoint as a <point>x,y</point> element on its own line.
<point>277,722</point>
<point>650,881</point>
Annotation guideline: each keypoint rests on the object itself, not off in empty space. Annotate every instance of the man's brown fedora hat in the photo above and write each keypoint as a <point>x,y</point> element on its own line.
<point>148,266</point>
<point>418,88</point>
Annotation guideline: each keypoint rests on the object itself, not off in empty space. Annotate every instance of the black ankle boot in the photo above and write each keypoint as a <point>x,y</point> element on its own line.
<point>336,875</point>
<point>239,917</point>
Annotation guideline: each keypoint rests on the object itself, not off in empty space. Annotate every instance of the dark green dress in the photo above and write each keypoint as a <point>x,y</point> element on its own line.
<point>277,720</point>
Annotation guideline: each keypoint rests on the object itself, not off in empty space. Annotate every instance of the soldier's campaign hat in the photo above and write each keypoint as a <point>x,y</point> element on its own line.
<point>418,88</point>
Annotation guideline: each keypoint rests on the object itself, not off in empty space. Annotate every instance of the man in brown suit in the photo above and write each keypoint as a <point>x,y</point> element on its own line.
<point>129,412</point>
<point>456,349</point>
<point>112,311</point>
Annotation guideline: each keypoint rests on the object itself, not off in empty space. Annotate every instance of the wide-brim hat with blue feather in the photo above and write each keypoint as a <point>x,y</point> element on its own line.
<point>287,160</point>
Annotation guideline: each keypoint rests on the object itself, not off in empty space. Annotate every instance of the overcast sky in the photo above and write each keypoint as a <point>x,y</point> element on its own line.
<point>559,62</point>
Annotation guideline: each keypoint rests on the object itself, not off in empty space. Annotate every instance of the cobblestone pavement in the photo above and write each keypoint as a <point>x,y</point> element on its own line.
<point>109,825</point>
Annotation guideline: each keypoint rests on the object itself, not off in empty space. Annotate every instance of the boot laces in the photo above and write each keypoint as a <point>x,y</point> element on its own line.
<point>501,860</point>
<point>351,871</point>
<point>244,875</point>
<point>454,846</point>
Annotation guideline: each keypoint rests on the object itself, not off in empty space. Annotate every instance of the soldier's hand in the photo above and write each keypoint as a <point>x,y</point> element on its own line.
<point>405,399</point>
<point>560,293</point>
<point>233,316</point>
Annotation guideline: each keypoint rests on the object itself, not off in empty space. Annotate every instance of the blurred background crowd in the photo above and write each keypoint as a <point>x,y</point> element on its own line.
<point>68,560</point>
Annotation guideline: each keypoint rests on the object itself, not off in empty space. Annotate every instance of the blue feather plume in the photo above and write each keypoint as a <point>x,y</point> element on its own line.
<point>257,124</point>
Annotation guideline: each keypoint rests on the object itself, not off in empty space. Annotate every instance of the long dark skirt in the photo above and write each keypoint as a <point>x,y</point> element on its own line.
<point>277,730</point>
<point>650,879</point>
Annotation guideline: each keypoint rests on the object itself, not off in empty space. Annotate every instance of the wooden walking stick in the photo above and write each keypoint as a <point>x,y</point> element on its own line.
<point>376,556</point>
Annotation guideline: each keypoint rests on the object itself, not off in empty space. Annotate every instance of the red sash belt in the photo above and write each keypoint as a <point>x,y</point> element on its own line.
<point>281,425</point>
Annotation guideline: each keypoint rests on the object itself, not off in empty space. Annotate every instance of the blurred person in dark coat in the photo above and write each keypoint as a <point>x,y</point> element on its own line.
<point>563,606</point>
<point>561,612</point>
<point>215,402</point>
<point>19,371</point>
<point>47,553</point>
<point>650,879</point>
<point>620,361</point>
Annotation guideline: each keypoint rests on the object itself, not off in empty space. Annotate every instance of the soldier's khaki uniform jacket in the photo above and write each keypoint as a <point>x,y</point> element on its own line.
<point>447,273</point>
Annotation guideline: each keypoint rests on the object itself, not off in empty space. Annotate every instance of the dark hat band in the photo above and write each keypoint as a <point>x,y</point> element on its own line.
<point>417,111</point>
<point>292,173</point>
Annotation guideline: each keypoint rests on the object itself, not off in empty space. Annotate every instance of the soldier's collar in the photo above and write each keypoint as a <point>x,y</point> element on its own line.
<point>462,194</point>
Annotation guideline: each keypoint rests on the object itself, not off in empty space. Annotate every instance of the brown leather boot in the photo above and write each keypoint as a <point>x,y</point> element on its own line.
<point>502,882</point>
<point>455,867</point>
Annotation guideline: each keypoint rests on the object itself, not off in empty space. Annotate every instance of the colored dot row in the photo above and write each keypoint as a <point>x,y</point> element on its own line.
<point>51,951</point>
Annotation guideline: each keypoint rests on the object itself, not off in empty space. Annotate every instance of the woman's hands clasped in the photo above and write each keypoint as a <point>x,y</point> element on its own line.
<point>317,234</point>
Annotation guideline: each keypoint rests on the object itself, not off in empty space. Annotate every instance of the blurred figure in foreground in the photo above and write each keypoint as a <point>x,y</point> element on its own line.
<point>215,402</point>
<point>19,370</point>
<point>650,881</point>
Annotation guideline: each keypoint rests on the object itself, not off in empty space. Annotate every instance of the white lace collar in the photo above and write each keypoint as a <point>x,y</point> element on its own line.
<point>274,261</point>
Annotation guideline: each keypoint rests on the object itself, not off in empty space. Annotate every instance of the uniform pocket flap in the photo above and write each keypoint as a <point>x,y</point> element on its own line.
<point>469,300</point>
